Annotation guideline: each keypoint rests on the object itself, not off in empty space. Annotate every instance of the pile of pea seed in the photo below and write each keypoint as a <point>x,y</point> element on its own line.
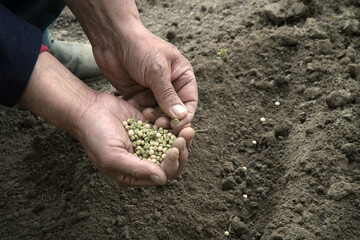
<point>149,142</point>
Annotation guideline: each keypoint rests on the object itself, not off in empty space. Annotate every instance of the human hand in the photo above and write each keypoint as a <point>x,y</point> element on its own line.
<point>95,119</point>
<point>153,74</point>
<point>107,144</point>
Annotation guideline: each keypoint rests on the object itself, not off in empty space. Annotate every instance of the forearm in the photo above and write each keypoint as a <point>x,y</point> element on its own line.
<point>106,20</point>
<point>55,94</point>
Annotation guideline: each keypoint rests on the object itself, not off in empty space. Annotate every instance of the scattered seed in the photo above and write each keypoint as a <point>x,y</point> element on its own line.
<point>245,197</point>
<point>277,103</point>
<point>254,142</point>
<point>262,120</point>
<point>226,233</point>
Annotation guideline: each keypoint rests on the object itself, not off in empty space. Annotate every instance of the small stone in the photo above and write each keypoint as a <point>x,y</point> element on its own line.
<point>339,98</point>
<point>312,93</point>
<point>282,130</point>
<point>82,215</point>
<point>302,117</point>
<point>229,183</point>
<point>171,34</point>
<point>351,27</point>
<point>268,139</point>
<point>285,11</point>
<point>339,190</point>
<point>354,70</point>
<point>325,46</point>
<point>239,227</point>
<point>299,208</point>
<point>349,149</point>
<point>38,207</point>
<point>228,167</point>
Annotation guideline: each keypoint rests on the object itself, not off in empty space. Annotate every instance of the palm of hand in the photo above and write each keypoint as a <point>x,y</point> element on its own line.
<point>106,142</point>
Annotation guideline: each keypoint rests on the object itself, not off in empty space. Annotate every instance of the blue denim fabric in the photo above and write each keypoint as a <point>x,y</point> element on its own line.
<point>40,13</point>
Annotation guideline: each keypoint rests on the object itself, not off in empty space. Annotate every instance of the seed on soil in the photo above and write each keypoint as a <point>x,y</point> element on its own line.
<point>245,197</point>
<point>226,233</point>
<point>254,142</point>
<point>262,120</point>
<point>149,142</point>
<point>244,168</point>
<point>277,103</point>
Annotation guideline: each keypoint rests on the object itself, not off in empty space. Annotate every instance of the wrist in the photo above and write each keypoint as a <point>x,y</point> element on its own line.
<point>56,95</point>
<point>106,22</point>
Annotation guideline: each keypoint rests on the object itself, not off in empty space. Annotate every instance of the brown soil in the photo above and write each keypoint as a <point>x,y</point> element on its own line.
<point>303,175</point>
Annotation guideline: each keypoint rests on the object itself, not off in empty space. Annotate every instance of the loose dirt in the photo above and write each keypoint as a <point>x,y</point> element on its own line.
<point>302,176</point>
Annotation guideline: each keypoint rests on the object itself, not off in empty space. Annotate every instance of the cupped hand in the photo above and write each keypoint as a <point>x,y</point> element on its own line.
<point>154,74</point>
<point>107,144</point>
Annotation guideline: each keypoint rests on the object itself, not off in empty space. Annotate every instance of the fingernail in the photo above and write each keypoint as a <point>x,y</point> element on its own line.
<point>155,178</point>
<point>178,109</point>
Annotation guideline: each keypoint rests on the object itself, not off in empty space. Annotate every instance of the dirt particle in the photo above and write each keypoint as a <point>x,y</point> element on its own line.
<point>339,98</point>
<point>285,11</point>
<point>229,183</point>
<point>325,46</point>
<point>283,130</point>
<point>354,70</point>
<point>228,167</point>
<point>268,139</point>
<point>351,27</point>
<point>239,227</point>
<point>312,93</point>
<point>82,215</point>
<point>171,34</point>
<point>39,206</point>
<point>349,149</point>
<point>339,190</point>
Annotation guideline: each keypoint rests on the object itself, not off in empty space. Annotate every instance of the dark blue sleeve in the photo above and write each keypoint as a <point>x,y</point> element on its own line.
<point>20,44</point>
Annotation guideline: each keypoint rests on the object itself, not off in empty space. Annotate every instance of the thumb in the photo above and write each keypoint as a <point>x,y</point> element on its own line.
<point>167,97</point>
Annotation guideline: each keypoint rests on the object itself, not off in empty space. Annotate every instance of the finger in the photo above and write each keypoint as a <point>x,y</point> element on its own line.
<point>186,88</point>
<point>163,122</point>
<point>170,165</point>
<point>134,104</point>
<point>151,114</point>
<point>129,170</point>
<point>145,98</point>
<point>188,134</point>
<point>166,95</point>
<point>180,144</point>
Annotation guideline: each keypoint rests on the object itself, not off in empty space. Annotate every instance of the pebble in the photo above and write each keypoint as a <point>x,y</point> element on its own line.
<point>171,34</point>
<point>82,215</point>
<point>339,190</point>
<point>354,70</point>
<point>351,27</point>
<point>299,208</point>
<point>282,130</point>
<point>349,149</point>
<point>239,227</point>
<point>28,122</point>
<point>312,93</point>
<point>284,10</point>
<point>339,98</point>
<point>325,46</point>
<point>268,139</point>
<point>228,167</point>
<point>229,183</point>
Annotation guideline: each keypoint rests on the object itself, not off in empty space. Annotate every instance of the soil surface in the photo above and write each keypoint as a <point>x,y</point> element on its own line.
<point>302,177</point>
